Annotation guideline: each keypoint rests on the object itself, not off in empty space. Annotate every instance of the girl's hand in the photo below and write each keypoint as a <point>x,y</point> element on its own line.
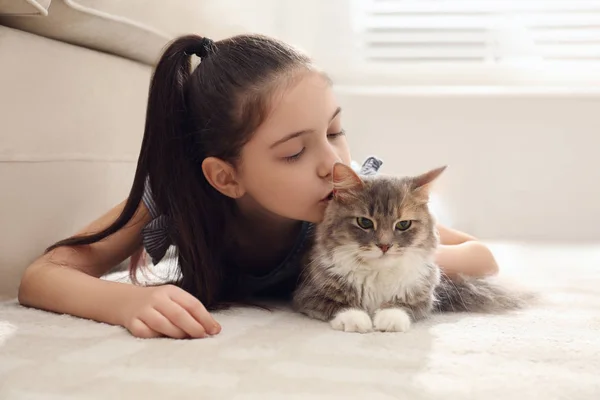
<point>167,311</point>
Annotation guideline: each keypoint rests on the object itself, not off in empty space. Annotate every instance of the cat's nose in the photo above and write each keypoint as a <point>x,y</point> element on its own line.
<point>384,247</point>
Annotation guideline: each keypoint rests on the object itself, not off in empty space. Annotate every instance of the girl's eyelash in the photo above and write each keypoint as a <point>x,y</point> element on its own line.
<point>295,157</point>
<point>336,134</point>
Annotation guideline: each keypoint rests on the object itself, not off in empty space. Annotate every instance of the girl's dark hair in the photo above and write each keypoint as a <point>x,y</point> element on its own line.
<point>210,111</point>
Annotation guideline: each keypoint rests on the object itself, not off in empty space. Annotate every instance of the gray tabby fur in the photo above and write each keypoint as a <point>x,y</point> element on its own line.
<point>348,281</point>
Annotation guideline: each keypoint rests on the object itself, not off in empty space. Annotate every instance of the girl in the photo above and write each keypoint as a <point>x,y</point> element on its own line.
<point>234,168</point>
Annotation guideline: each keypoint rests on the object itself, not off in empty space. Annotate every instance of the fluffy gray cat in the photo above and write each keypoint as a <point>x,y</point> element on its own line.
<point>372,266</point>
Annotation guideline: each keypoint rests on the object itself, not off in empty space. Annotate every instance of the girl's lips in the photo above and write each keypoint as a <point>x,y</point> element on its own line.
<point>328,197</point>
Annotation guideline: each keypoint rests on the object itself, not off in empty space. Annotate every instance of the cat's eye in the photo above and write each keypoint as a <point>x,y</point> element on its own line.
<point>403,225</point>
<point>365,223</point>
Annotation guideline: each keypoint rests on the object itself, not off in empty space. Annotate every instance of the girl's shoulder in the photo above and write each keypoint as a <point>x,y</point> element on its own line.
<point>156,234</point>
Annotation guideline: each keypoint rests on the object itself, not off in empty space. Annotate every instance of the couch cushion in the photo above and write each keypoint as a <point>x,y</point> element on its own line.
<point>24,7</point>
<point>69,140</point>
<point>135,29</point>
<point>74,23</point>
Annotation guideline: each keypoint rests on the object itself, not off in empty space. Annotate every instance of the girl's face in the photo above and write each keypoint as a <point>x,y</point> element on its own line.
<point>286,166</point>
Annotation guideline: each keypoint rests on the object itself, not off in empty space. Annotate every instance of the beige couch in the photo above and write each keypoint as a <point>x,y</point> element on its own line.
<point>73,87</point>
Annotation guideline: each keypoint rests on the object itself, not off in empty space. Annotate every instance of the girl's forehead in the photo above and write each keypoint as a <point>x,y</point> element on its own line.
<point>306,103</point>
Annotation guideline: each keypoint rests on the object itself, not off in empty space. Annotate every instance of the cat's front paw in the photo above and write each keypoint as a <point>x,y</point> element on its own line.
<point>352,320</point>
<point>391,320</point>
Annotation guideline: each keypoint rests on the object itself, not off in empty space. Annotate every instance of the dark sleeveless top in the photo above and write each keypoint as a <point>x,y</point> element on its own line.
<point>156,239</point>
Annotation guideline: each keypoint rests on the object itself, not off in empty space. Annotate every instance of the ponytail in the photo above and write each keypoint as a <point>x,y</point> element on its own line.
<point>169,161</point>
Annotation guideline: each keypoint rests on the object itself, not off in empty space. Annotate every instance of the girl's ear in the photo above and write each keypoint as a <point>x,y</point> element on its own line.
<point>221,176</point>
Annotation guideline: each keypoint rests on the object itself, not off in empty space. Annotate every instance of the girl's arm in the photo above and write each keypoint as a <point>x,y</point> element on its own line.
<point>461,253</point>
<point>452,236</point>
<point>66,280</point>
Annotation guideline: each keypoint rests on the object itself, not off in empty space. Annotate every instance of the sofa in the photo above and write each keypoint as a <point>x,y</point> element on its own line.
<point>74,77</point>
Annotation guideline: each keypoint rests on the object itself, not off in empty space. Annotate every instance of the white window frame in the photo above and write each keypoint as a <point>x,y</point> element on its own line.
<point>348,66</point>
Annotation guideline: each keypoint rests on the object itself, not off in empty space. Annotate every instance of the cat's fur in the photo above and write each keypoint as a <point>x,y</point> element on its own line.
<point>349,281</point>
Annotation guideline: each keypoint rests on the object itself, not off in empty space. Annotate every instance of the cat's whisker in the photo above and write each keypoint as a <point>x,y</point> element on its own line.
<point>457,291</point>
<point>443,288</point>
<point>448,295</point>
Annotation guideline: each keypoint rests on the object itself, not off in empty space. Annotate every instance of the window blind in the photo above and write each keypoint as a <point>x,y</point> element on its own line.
<point>408,32</point>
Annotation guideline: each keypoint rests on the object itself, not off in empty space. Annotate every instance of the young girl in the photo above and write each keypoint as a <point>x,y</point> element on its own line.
<point>234,168</point>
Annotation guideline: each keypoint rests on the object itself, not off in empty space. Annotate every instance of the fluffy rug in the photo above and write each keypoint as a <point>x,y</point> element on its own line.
<point>551,351</point>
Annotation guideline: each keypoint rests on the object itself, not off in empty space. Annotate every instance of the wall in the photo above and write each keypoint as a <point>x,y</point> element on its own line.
<point>521,165</point>
<point>522,157</point>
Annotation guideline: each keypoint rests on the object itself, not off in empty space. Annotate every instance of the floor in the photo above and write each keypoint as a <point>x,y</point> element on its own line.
<point>550,351</point>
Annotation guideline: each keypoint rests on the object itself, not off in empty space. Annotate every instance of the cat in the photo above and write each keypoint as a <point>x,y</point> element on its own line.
<point>371,266</point>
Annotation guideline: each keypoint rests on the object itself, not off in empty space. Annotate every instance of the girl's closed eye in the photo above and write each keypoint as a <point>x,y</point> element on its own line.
<point>335,135</point>
<point>295,157</point>
<point>330,136</point>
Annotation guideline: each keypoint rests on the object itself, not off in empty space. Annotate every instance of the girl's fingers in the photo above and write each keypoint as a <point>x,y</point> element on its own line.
<point>181,318</point>
<point>160,323</point>
<point>197,310</point>
<point>139,329</point>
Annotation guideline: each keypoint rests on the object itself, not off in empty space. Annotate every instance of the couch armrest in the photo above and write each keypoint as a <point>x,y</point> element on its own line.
<point>24,7</point>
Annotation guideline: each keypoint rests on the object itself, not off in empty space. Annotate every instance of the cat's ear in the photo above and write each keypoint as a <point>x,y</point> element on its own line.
<point>422,183</point>
<point>345,180</point>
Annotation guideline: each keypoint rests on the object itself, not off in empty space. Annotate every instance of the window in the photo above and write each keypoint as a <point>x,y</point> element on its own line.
<point>479,41</point>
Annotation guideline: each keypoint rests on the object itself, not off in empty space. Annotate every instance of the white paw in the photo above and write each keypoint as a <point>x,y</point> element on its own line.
<point>352,320</point>
<point>391,320</point>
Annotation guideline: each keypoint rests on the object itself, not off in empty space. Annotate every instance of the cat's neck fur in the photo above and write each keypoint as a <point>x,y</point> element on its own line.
<point>381,280</point>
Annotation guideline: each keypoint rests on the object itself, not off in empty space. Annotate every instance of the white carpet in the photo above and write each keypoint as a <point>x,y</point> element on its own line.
<point>551,351</point>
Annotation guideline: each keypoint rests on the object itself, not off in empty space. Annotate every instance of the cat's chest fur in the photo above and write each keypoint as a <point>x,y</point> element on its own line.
<point>382,280</point>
